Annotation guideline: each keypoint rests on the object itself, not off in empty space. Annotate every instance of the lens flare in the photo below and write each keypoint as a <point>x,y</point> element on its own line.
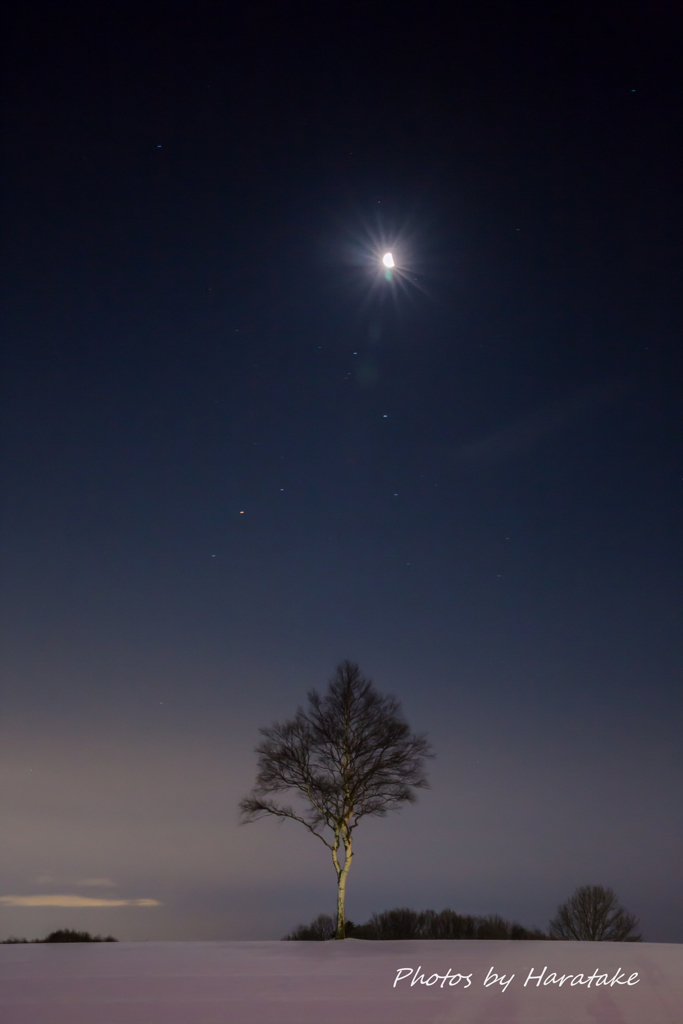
<point>383,259</point>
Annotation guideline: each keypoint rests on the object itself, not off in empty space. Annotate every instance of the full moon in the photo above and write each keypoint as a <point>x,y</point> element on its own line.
<point>388,259</point>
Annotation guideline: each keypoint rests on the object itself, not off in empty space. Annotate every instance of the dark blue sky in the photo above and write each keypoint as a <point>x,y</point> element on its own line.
<point>234,455</point>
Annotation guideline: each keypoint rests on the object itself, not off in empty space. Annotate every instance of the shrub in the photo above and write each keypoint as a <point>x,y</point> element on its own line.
<point>321,929</point>
<point>68,935</point>
<point>64,935</point>
<point>404,923</point>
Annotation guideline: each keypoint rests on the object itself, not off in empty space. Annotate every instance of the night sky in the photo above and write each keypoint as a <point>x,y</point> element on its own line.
<point>235,454</point>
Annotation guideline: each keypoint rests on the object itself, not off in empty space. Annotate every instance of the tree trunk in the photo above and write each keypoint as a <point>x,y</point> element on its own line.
<point>341,887</point>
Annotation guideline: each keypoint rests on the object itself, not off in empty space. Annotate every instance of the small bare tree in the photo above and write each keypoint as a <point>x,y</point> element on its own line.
<point>351,755</point>
<point>593,914</point>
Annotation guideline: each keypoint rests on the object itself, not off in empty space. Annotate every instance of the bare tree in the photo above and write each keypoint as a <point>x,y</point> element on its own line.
<point>593,914</point>
<point>350,756</point>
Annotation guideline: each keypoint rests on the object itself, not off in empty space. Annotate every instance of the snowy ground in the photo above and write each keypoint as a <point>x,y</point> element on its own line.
<point>349,982</point>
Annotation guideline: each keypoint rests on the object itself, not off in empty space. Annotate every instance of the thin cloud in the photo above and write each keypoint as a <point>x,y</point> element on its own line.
<point>93,882</point>
<point>524,435</point>
<point>72,901</point>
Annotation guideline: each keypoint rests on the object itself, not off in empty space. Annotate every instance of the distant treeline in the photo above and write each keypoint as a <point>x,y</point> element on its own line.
<point>64,935</point>
<point>404,923</point>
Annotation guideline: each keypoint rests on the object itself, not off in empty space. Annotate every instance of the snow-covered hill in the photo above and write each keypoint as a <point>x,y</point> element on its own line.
<point>351,982</point>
